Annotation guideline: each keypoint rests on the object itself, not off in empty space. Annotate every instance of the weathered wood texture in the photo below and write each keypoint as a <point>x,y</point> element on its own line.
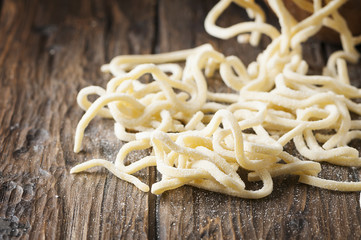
<point>49,50</point>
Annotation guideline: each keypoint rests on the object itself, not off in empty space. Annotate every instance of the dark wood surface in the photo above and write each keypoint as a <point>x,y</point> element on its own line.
<point>49,50</point>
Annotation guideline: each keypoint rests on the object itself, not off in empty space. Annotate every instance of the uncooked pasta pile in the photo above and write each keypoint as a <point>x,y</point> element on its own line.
<point>202,138</point>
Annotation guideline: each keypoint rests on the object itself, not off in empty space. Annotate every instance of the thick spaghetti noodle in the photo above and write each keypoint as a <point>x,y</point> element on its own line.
<point>198,137</point>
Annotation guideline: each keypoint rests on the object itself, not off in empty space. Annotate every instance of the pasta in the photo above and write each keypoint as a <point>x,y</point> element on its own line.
<point>202,138</point>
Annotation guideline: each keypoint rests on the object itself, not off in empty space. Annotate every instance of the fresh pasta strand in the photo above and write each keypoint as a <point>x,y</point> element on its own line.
<point>202,138</point>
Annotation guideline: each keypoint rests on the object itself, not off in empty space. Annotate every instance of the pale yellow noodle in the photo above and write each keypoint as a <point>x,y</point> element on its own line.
<point>202,138</point>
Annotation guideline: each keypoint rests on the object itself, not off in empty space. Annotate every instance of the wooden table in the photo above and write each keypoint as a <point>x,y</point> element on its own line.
<point>49,50</point>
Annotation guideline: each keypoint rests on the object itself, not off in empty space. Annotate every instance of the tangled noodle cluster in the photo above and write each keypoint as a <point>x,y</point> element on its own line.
<point>198,137</point>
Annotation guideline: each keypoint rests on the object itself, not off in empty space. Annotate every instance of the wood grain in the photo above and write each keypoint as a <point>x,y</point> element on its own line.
<point>49,50</point>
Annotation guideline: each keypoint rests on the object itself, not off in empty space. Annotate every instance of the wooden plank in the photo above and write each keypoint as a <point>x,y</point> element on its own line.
<point>177,27</point>
<point>293,210</point>
<point>49,50</point>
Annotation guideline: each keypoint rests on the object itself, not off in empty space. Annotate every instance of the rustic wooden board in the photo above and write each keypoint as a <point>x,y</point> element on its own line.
<point>49,50</point>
